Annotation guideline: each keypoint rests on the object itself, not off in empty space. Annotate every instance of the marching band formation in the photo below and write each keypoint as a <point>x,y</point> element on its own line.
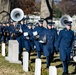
<point>46,40</point>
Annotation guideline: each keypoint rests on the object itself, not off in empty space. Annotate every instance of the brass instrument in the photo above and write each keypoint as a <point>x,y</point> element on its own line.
<point>17,14</point>
<point>64,19</point>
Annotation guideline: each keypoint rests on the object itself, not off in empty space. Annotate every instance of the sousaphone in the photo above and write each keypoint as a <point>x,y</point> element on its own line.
<point>17,14</point>
<point>64,19</point>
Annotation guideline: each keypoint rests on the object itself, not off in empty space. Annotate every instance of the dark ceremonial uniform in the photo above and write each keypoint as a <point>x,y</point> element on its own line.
<point>48,47</point>
<point>64,42</point>
<point>28,39</point>
<point>11,31</point>
<point>0,31</point>
<point>3,27</point>
<point>24,27</point>
<point>18,36</point>
<point>39,46</point>
<point>6,33</point>
<point>54,29</point>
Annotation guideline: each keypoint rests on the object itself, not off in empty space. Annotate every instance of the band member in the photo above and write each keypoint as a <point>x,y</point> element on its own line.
<point>0,31</point>
<point>18,36</point>
<point>5,32</point>
<point>23,27</point>
<point>48,47</point>
<point>12,29</point>
<point>3,27</point>
<point>64,42</point>
<point>8,34</point>
<point>53,27</point>
<point>38,34</point>
<point>13,37</point>
<point>28,38</point>
<point>37,24</point>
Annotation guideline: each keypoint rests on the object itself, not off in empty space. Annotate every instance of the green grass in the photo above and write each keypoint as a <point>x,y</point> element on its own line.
<point>7,68</point>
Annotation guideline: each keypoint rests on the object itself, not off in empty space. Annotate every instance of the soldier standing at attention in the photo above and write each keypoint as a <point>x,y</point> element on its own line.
<point>64,42</point>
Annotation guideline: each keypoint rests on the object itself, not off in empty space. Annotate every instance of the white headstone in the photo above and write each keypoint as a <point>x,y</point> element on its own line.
<point>13,52</point>
<point>3,49</point>
<point>74,58</point>
<point>26,61</point>
<point>52,70</point>
<point>38,66</point>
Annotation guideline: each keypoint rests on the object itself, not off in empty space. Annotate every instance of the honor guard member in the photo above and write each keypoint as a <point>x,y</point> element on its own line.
<point>24,27</point>
<point>28,38</point>
<point>3,27</point>
<point>0,32</point>
<point>49,41</point>
<point>37,24</point>
<point>11,30</point>
<point>53,27</point>
<point>64,43</point>
<point>18,36</point>
<point>37,33</point>
<point>8,34</point>
<point>5,32</point>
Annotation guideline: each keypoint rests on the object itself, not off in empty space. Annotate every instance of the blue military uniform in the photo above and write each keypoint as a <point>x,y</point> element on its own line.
<point>18,36</point>
<point>54,29</point>
<point>28,39</point>
<point>64,42</point>
<point>48,48</point>
<point>6,33</point>
<point>19,30</point>
<point>11,31</point>
<point>24,27</point>
<point>0,32</point>
<point>3,26</point>
<point>39,46</point>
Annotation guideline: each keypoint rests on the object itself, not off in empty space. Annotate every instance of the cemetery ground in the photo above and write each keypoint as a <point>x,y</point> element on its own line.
<point>7,68</point>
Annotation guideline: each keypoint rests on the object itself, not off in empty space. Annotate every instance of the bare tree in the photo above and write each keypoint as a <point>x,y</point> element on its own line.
<point>68,7</point>
<point>28,6</point>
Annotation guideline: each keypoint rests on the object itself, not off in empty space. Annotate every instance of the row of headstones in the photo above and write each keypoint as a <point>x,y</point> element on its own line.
<point>12,57</point>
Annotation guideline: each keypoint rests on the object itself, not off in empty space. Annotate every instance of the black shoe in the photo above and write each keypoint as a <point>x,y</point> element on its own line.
<point>64,73</point>
<point>20,57</point>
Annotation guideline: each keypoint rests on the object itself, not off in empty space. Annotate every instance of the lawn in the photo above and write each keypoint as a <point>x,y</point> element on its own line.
<point>7,68</point>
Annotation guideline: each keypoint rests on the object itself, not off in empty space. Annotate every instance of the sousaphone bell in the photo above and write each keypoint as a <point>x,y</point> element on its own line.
<point>17,14</point>
<point>64,19</point>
